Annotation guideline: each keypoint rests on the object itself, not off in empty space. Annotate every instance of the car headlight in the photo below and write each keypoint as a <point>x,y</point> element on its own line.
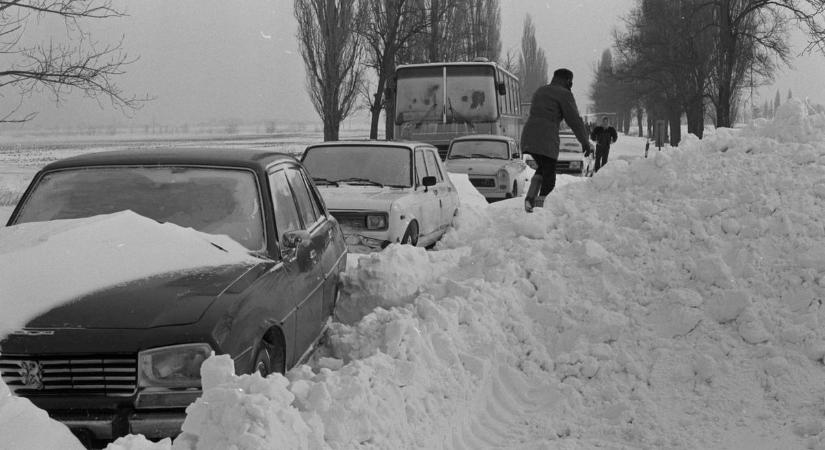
<point>501,177</point>
<point>376,221</point>
<point>176,366</point>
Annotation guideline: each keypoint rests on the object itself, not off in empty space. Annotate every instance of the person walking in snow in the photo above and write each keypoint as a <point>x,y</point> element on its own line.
<point>604,135</point>
<point>551,104</point>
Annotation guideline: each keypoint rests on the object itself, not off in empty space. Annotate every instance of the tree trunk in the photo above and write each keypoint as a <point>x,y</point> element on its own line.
<point>723,106</point>
<point>375,110</point>
<point>331,129</point>
<point>639,116</point>
<point>695,112</point>
<point>674,118</point>
<point>389,118</point>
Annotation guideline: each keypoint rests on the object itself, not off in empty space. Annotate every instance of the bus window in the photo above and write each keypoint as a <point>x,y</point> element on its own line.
<point>471,94</point>
<point>419,95</point>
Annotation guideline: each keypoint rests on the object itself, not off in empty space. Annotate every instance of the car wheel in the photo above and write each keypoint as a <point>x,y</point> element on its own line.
<point>411,235</point>
<point>268,359</point>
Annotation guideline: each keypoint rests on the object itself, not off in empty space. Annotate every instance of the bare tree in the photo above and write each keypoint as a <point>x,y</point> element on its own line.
<point>388,27</point>
<point>331,49</point>
<point>533,62</point>
<point>455,30</point>
<point>481,35</point>
<point>80,63</point>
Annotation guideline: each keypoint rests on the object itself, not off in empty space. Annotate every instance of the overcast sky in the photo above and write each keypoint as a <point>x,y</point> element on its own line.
<point>216,59</point>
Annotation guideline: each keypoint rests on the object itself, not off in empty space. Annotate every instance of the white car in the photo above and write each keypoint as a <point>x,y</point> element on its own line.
<point>571,157</point>
<point>492,163</point>
<point>384,192</point>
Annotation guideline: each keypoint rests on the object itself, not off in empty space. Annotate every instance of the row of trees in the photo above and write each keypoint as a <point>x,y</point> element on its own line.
<point>696,57</point>
<point>351,48</point>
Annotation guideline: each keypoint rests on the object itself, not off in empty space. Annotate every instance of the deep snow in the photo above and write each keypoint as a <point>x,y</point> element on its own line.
<point>670,302</point>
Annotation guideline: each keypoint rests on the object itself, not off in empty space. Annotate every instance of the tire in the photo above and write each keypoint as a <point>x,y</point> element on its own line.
<point>411,235</point>
<point>268,359</point>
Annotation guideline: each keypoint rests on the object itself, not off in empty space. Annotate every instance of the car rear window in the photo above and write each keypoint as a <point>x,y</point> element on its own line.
<point>215,201</point>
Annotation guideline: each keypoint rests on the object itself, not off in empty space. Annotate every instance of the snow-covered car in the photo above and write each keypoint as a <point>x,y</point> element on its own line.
<point>571,157</point>
<point>492,163</point>
<point>384,192</point>
<point>126,359</point>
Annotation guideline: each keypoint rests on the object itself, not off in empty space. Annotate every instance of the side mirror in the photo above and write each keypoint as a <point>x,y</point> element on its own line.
<point>293,239</point>
<point>429,181</point>
<point>502,88</point>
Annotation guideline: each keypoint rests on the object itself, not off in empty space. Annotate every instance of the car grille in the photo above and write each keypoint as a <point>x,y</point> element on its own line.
<point>352,220</point>
<point>483,182</point>
<point>111,376</point>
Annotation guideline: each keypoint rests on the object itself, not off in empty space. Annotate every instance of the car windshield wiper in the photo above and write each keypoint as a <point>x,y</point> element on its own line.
<point>325,181</point>
<point>360,180</point>
<point>459,157</point>
<point>479,155</point>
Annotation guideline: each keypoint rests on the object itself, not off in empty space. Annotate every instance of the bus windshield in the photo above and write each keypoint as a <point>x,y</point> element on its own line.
<point>469,95</point>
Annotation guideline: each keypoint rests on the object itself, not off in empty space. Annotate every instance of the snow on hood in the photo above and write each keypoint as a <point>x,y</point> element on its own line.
<point>671,302</point>
<point>49,263</point>
<point>357,197</point>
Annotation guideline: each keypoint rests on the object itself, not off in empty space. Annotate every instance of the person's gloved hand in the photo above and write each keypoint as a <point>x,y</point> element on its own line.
<point>587,150</point>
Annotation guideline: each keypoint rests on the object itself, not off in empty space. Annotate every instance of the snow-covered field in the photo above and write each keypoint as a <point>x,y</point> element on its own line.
<point>670,302</point>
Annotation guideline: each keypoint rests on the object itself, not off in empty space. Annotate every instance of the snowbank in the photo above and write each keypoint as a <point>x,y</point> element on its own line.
<point>673,302</point>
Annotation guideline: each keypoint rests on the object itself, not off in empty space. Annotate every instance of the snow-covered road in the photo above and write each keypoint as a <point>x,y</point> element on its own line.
<point>673,302</point>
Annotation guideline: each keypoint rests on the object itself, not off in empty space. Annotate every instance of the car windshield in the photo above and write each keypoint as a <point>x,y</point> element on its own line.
<point>215,201</point>
<point>468,97</point>
<point>360,164</point>
<point>569,144</point>
<point>478,149</point>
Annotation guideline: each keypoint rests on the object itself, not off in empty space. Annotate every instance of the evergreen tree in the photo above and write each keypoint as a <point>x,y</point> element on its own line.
<point>533,62</point>
<point>776,103</point>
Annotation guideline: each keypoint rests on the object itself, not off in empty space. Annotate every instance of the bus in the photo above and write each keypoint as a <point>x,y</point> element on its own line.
<point>436,102</point>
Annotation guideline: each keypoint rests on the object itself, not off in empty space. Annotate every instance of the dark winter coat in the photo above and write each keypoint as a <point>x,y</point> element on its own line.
<point>604,136</point>
<point>551,104</point>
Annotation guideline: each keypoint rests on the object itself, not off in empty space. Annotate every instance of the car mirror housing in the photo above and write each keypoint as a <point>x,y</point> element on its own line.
<point>295,239</point>
<point>429,181</point>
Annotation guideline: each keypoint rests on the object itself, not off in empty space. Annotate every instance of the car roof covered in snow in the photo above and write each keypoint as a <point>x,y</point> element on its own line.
<point>484,137</point>
<point>162,156</point>
<point>371,143</point>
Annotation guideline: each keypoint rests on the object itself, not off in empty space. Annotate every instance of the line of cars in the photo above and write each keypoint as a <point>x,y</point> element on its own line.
<point>126,359</point>
<point>498,170</point>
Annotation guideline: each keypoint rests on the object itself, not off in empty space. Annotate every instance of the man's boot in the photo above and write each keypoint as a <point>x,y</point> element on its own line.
<point>533,192</point>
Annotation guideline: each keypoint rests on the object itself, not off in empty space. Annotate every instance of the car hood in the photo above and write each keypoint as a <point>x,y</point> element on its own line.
<point>477,166</point>
<point>168,299</point>
<point>361,198</point>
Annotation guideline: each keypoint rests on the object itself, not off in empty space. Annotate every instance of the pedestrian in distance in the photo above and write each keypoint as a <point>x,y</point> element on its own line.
<point>604,135</point>
<point>551,104</point>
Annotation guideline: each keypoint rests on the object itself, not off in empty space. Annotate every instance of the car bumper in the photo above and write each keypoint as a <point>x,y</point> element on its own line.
<point>111,425</point>
<point>359,243</point>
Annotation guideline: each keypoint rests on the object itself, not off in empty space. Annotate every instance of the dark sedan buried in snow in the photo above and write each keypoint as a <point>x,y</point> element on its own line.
<point>126,359</point>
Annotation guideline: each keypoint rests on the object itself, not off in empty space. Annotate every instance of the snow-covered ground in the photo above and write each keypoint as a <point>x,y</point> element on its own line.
<point>669,302</point>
